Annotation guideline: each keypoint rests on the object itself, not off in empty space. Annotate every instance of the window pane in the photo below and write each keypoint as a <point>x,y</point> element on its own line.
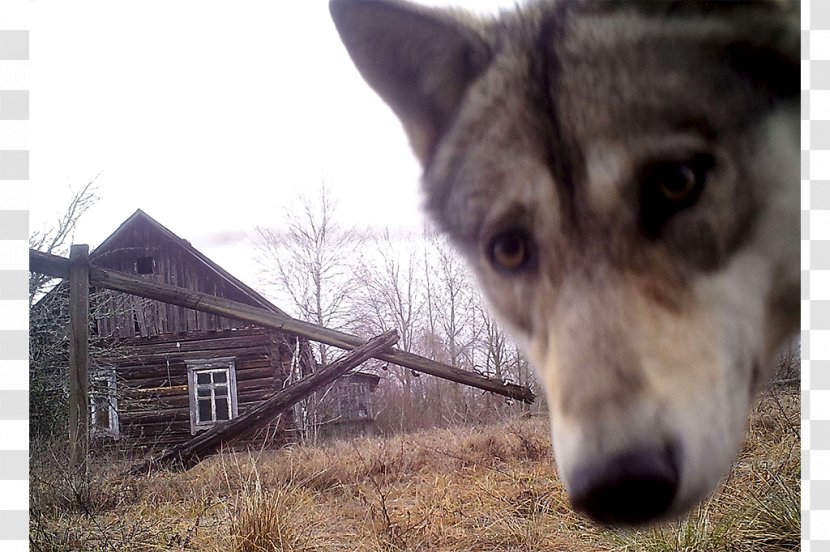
<point>220,377</point>
<point>205,414</point>
<point>222,409</point>
<point>102,415</point>
<point>220,391</point>
<point>203,391</point>
<point>202,377</point>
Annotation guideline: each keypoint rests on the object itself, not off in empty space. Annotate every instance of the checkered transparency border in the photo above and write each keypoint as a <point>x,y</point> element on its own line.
<point>14,234</point>
<point>815,281</point>
<point>815,264</point>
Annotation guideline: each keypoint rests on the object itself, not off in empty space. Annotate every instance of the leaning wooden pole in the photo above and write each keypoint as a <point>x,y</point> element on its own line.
<point>119,281</point>
<point>189,453</point>
<point>78,357</point>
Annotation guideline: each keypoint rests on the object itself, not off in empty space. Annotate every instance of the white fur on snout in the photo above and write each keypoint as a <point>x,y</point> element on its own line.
<point>738,296</point>
<point>702,424</point>
<point>696,371</point>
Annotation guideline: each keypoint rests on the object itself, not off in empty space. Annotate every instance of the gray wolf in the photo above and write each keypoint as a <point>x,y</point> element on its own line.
<point>622,177</point>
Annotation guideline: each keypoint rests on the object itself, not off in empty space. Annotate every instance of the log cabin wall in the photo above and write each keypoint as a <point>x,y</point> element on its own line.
<point>153,397</point>
<point>143,247</point>
<point>143,392</point>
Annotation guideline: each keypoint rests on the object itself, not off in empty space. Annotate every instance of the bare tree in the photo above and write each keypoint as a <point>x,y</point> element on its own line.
<point>390,296</point>
<point>311,262</point>
<point>450,327</point>
<point>55,239</point>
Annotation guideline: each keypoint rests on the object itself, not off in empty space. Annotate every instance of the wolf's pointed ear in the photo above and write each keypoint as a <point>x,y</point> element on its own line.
<point>419,60</point>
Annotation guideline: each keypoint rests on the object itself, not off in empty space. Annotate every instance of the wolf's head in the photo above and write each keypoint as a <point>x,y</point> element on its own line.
<point>622,177</point>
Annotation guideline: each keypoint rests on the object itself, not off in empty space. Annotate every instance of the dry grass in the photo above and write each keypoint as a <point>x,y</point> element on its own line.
<point>489,488</point>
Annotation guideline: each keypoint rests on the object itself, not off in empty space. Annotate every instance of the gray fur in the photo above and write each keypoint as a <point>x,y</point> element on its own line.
<point>548,119</point>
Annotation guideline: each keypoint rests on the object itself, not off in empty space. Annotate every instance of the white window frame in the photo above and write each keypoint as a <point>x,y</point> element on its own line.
<point>194,367</point>
<point>104,375</point>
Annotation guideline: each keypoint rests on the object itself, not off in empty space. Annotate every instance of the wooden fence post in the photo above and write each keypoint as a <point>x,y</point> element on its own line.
<point>78,357</point>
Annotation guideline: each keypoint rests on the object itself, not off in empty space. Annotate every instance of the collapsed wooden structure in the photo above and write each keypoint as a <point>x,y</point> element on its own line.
<point>189,453</point>
<point>150,356</point>
<point>238,339</point>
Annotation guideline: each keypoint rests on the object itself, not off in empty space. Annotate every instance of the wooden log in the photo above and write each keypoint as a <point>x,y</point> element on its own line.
<point>160,365</point>
<point>259,384</point>
<point>140,359</point>
<point>142,388</point>
<point>249,372</point>
<point>249,397</point>
<point>158,369</point>
<point>138,406</point>
<point>159,382</point>
<point>201,335</point>
<point>188,454</point>
<point>244,372</point>
<point>78,358</point>
<point>246,392</point>
<point>158,430</point>
<point>110,279</point>
<point>158,415</point>
<point>154,393</point>
<point>154,346</point>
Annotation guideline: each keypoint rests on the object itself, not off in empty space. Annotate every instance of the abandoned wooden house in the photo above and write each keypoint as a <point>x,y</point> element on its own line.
<point>173,372</point>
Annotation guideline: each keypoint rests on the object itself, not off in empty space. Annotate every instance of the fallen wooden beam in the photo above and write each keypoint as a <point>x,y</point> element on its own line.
<point>190,453</point>
<point>58,267</point>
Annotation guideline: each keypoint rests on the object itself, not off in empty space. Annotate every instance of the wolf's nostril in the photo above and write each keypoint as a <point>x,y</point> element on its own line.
<point>634,487</point>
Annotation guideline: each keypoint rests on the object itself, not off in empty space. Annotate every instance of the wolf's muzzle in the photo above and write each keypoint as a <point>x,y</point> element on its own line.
<point>633,487</point>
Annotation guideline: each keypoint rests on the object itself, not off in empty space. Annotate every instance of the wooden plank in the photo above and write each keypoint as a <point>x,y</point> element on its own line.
<point>207,344</point>
<point>156,404</point>
<point>78,358</point>
<point>200,336</point>
<point>141,365</point>
<point>190,453</point>
<point>53,265</point>
<point>245,369</point>
<point>158,382</point>
<point>249,371</point>
<point>158,430</point>
<point>155,392</point>
<point>255,397</point>
<point>158,415</point>
<point>261,384</point>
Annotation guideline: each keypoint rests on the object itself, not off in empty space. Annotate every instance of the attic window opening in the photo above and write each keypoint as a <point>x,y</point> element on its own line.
<point>145,265</point>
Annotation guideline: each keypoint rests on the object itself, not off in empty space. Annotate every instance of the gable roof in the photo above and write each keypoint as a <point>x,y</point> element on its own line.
<point>140,217</point>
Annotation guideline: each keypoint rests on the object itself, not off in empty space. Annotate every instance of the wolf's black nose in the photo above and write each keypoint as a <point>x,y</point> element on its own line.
<point>634,487</point>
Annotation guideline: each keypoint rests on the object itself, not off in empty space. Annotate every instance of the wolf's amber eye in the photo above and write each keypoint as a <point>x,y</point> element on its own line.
<point>677,182</point>
<point>510,250</point>
<point>668,187</point>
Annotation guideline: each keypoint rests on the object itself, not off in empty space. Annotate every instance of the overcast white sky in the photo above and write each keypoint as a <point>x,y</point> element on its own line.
<point>209,115</point>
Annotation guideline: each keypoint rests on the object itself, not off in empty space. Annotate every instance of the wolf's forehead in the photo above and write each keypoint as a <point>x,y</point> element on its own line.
<point>543,103</point>
<point>618,79</point>
<point>622,75</point>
